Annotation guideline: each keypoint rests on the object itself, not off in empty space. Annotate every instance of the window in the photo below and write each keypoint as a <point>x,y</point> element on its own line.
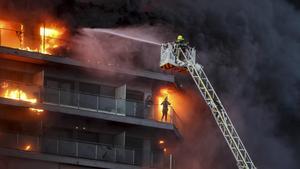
<point>89,88</point>
<point>106,138</point>
<point>51,83</point>
<point>65,85</point>
<point>59,91</point>
<point>107,91</point>
<point>134,95</point>
<point>133,142</point>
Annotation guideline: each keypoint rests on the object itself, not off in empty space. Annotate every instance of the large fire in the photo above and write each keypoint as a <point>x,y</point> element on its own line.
<point>181,104</point>
<point>45,40</point>
<point>163,93</point>
<point>15,93</point>
<point>50,39</point>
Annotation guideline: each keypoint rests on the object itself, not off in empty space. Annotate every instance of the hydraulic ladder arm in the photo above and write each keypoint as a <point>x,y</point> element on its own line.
<point>219,113</point>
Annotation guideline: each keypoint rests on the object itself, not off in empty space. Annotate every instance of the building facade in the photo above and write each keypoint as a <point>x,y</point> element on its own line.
<point>60,113</point>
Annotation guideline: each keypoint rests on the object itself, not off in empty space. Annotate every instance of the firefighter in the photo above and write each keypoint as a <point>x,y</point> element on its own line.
<point>181,44</point>
<point>180,39</point>
<point>165,108</point>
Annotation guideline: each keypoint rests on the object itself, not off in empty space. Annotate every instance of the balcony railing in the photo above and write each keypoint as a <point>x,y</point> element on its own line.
<point>105,104</point>
<point>78,149</point>
<point>82,101</point>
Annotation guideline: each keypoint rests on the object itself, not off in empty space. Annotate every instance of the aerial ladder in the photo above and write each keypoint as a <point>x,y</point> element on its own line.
<point>174,57</point>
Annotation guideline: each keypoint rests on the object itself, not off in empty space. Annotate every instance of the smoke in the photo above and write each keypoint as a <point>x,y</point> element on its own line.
<point>28,9</point>
<point>128,47</point>
<point>250,50</point>
<point>202,143</point>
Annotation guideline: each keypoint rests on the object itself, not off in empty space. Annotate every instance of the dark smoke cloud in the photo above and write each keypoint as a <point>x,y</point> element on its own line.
<point>250,50</point>
<point>28,9</point>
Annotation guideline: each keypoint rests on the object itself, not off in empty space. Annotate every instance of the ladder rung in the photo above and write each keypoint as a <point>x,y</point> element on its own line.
<point>220,116</point>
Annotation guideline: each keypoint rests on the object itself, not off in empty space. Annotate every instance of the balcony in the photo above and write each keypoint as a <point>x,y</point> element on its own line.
<point>80,101</point>
<point>84,150</point>
<point>49,43</point>
<point>104,104</point>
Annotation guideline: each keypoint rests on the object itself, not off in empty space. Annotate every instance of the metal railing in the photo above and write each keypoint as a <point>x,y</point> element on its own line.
<point>80,149</point>
<point>83,101</point>
<point>71,148</point>
<point>105,104</point>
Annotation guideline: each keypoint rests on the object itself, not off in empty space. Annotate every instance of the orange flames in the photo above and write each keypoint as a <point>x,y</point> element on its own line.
<point>181,104</point>
<point>46,40</point>
<point>10,34</point>
<point>27,147</point>
<point>16,93</point>
<point>161,142</point>
<point>50,38</point>
<point>162,146</point>
<point>163,93</point>
<point>36,111</point>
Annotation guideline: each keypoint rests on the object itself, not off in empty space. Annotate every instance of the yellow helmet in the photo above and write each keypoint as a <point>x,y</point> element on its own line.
<point>180,37</point>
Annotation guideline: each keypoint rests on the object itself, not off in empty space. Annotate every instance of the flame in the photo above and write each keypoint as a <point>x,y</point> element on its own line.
<point>163,93</point>
<point>16,94</point>
<point>48,32</point>
<point>10,34</point>
<point>4,85</point>
<point>36,110</point>
<point>49,38</point>
<point>180,103</point>
<point>161,142</point>
<point>2,24</point>
<point>27,147</point>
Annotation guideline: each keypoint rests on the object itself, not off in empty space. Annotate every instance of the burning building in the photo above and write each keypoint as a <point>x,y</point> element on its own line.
<point>46,38</point>
<point>58,112</point>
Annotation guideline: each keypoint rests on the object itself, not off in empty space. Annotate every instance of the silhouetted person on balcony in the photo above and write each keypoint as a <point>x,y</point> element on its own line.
<point>148,106</point>
<point>165,109</point>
